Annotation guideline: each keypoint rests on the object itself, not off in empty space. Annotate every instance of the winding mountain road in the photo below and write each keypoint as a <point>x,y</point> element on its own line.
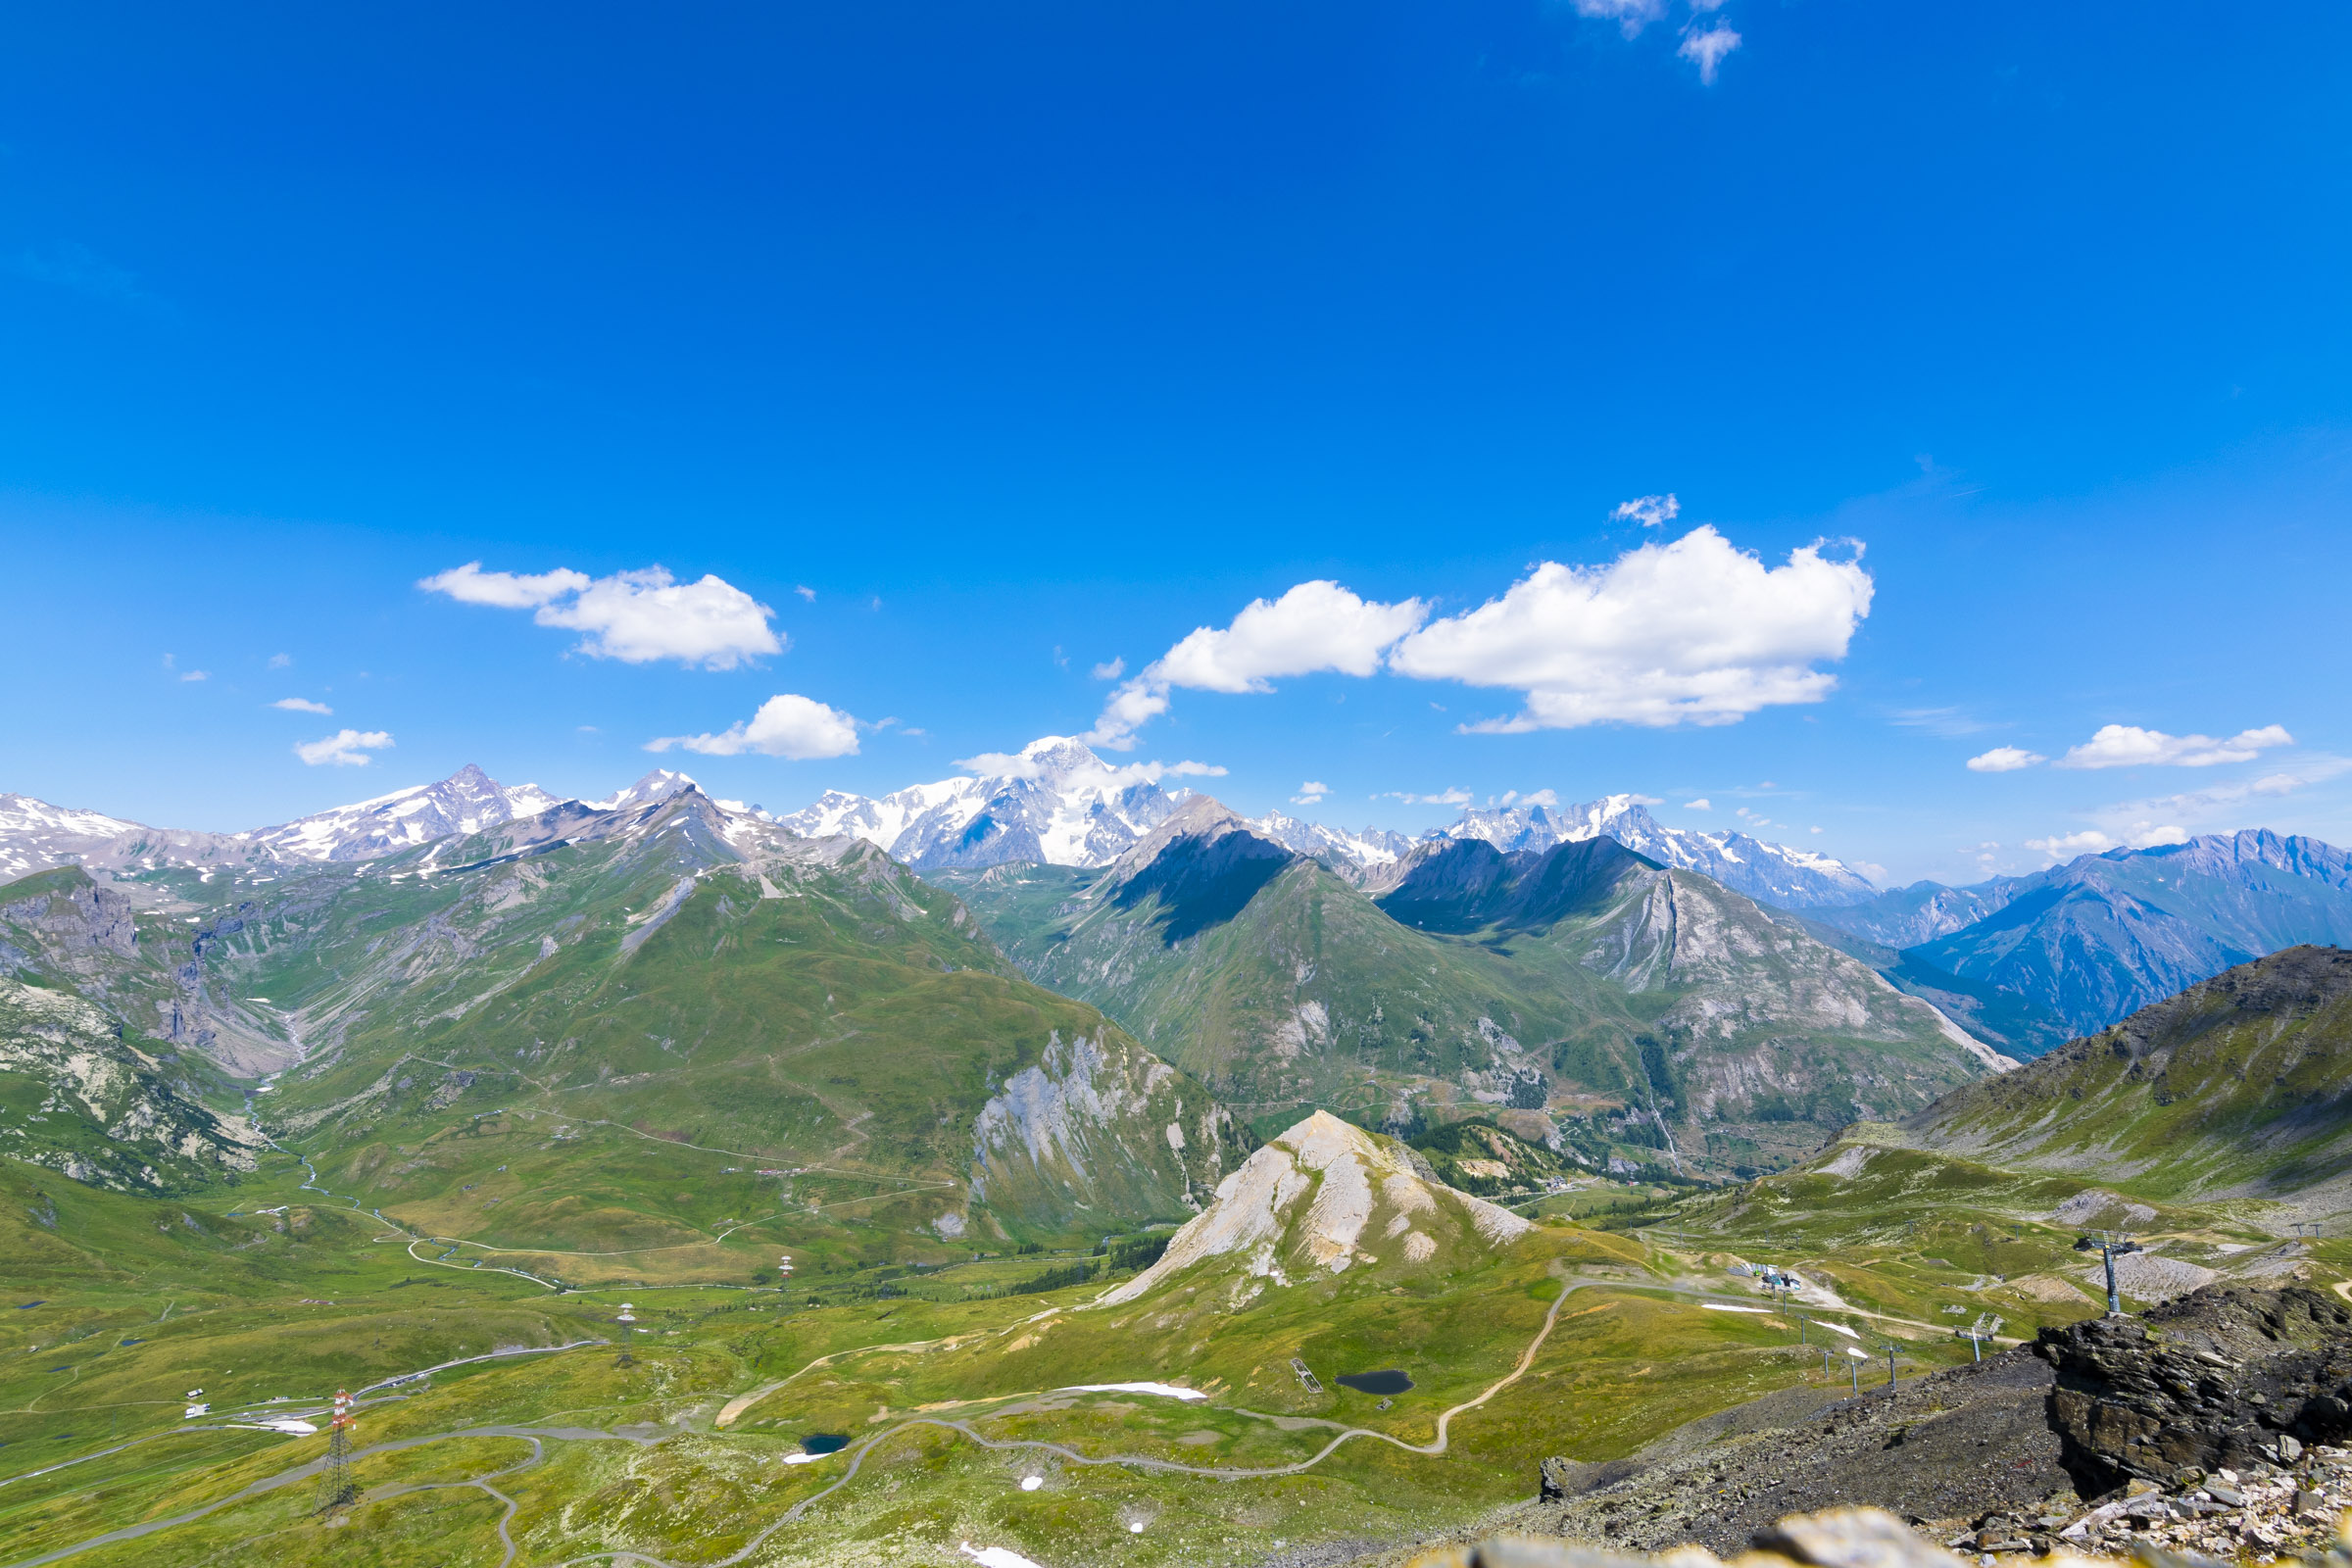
<point>1341,1436</point>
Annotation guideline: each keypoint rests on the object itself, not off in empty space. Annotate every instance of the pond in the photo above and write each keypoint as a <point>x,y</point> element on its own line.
<point>823,1442</point>
<point>1390,1381</point>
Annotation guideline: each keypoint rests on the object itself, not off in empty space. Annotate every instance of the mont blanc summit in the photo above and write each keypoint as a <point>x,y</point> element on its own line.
<point>1056,801</point>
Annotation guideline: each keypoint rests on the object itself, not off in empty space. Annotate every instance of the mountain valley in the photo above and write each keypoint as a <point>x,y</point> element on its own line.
<point>1676,1027</point>
<point>1221,1203</point>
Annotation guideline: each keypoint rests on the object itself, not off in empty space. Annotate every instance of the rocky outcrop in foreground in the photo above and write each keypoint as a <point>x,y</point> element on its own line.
<point>2208,1425</point>
<point>1842,1538</point>
<point>2215,1380</point>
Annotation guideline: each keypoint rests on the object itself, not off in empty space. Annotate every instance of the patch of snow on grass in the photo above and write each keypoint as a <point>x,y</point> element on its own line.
<point>996,1556</point>
<point>1166,1390</point>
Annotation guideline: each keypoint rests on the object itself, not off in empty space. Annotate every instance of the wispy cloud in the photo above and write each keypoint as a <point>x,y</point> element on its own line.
<point>1631,16</point>
<point>1949,723</point>
<point>2004,760</point>
<point>301,705</point>
<point>1456,796</point>
<point>347,747</point>
<point>1111,775</point>
<point>1650,511</point>
<point>2129,745</point>
<point>1705,48</point>
<point>77,268</point>
<point>1702,803</point>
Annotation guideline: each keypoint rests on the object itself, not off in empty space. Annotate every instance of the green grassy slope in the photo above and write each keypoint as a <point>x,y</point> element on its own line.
<point>2240,1087</point>
<point>637,1014</point>
<point>2011,1023</point>
<point>1660,1018</point>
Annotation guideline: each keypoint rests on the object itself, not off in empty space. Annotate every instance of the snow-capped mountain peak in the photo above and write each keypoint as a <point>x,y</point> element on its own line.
<point>1774,873</point>
<point>34,834</point>
<point>1367,850</point>
<point>1053,801</point>
<point>658,785</point>
<point>467,801</point>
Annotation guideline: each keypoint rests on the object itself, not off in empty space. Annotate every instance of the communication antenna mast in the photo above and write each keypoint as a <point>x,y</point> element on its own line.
<point>335,1488</point>
<point>628,1317</point>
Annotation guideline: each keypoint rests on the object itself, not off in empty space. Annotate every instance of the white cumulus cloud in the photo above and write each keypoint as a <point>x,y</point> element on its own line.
<point>1650,512</point>
<point>346,748</point>
<point>1111,670</point>
<point>1702,803</point>
<point>2129,745</point>
<point>1316,627</point>
<point>1310,792</point>
<point>301,705</point>
<point>787,725</point>
<point>635,617</point>
<point>1705,47</point>
<point>2004,760</point>
<point>1691,632</point>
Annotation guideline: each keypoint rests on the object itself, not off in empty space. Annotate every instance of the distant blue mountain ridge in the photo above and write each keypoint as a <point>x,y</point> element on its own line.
<point>2084,945</point>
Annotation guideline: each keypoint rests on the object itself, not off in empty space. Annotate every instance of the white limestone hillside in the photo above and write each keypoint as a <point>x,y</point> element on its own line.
<point>1321,1199</point>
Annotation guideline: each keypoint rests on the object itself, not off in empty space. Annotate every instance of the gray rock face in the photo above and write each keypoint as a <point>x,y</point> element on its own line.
<point>2228,1377</point>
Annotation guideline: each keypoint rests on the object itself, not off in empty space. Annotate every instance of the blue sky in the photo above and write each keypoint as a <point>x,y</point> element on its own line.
<point>1032,339</point>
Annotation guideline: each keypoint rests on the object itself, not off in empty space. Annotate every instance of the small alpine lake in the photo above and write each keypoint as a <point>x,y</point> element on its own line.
<point>1390,1381</point>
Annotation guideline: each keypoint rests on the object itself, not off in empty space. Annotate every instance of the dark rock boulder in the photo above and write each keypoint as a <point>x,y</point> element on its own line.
<point>2221,1377</point>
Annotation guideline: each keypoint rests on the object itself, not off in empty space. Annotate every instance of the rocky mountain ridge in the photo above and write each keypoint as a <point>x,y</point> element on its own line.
<point>1666,1020</point>
<point>1058,804</point>
<point>2090,942</point>
<point>2240,1087</point>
